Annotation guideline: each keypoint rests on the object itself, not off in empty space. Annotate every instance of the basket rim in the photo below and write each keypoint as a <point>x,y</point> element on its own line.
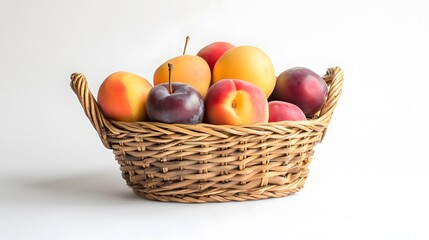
<point>334,77</point>
<point>287,122</point>
<point>124,127</point>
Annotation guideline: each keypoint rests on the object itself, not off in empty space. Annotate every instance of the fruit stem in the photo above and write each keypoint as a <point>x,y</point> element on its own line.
<point>186,44</point>
<point>170,85</point>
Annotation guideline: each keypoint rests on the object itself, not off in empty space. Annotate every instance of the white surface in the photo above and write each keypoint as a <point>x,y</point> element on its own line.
<point>368,179</point>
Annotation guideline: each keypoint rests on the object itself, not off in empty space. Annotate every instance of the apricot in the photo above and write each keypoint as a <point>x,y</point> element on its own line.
<point>235,102</point>
<point>249,64</point>
<point>189,69</point>
<point>122,96</point>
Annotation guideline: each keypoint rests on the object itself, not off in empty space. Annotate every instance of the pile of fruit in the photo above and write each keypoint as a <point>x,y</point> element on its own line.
<point>221,84</point>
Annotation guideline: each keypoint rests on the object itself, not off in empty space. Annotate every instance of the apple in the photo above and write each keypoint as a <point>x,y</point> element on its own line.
<point>247,63</point>
<point>302,87</point>
<point>284,111</point>
<point>189,69</point>
<point>235,102</point>
<point>122,97</point>
<point>175,103</point>
<point>212,52</point>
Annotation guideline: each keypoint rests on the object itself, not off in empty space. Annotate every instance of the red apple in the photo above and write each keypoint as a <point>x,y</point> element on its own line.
<point>212,52</point>
<point>302,87</point>
<point>284,111</point>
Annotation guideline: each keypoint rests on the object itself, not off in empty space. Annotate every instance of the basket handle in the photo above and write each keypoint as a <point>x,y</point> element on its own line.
<point>334,77</point>
<point>92,109</point>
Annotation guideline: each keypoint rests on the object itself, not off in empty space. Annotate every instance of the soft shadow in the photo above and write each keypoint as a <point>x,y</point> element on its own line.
<point>106,186</point>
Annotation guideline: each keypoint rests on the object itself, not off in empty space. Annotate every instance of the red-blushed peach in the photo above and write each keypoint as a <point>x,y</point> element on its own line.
<point>284,111</point>
<point>122,97</point>
<point>247,63</point>
<point>212,52</point>
<point>235,102</point>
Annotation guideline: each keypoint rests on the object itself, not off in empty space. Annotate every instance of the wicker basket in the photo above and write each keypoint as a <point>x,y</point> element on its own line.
<point>212,163</point>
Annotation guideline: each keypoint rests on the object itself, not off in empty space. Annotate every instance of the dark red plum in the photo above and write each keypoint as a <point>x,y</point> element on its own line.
<point>302,87</point>
<point>183,105</point>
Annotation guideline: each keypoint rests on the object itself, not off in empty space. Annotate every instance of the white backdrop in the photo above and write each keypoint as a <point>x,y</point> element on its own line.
<point>368,178</point>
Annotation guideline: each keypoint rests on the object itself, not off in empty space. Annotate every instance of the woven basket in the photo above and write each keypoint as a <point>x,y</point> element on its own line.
<point>212,163</point>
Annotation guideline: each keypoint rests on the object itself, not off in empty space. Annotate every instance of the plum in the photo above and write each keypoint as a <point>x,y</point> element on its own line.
<point>175,102</point>
<point>302,87</point>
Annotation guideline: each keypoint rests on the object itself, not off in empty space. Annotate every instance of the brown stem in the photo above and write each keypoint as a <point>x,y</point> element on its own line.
<point>186,45</point>
<point>170,85</point>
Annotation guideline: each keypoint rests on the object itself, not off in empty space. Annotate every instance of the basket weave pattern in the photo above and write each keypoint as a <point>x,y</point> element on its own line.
<point>212,163</point>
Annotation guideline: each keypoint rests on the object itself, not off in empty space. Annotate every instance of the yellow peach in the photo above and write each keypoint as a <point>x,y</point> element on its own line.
<point>247,63</point>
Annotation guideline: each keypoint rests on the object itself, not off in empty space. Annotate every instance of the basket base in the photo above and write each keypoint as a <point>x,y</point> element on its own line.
<point>226,195</point>
<point>207,182</point>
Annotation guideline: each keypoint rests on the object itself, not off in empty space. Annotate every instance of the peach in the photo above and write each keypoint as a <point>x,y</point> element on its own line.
<point>212,52</point>
<point>284,111</point>
<point>122,96</point>
<point>235,102</point>
<point>189,69</point>
<point>247,63</point>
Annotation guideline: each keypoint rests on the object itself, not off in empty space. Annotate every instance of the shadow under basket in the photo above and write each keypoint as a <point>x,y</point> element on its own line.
<point>212,163</point>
